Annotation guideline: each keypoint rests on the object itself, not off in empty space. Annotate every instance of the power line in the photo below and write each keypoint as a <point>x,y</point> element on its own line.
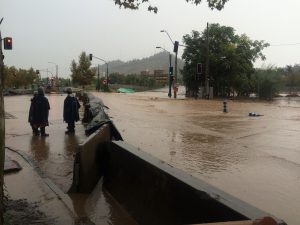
<point>285,44</point>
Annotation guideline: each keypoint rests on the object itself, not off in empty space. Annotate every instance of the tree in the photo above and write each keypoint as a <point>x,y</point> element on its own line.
<point>134,4</point>
<point>267,82</point>
<point>16,78</point>
<point>82,74</point>
<point>292,78</point>
<point>64,82</point>
<point>116,78</point>
<point>231,59</point>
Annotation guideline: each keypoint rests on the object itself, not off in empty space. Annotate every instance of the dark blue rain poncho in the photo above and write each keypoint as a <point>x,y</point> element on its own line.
<point>39,111</point>
<point>71,106</point>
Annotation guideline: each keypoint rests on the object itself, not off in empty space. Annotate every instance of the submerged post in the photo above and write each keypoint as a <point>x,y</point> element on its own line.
<point>225,105</point>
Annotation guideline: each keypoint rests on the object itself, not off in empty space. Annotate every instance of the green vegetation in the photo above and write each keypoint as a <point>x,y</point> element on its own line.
<point>27,79</point>
<point>19,78</point>
<point>231,70</point>
<point>132,79</point>
<point>134,4</point>
<point>158,61</point>
<point>85,76</point>
<point>230,57</point>
<point>267,83</point>
<point>82,74</point>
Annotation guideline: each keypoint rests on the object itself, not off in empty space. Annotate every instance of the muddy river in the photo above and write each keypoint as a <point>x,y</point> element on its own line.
<point>256,159</point>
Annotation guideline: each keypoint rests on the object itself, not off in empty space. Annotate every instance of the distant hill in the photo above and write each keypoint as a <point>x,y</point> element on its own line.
<point>158,61</point>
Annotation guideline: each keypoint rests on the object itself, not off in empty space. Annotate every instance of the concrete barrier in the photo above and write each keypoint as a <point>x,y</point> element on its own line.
<point>153,192</point>
<point>87,165</point>
<point>150,190</point>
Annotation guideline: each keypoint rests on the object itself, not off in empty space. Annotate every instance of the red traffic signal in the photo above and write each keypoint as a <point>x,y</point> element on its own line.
<point>7,43</point>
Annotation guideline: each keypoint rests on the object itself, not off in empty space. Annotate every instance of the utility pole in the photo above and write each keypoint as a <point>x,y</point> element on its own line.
<point>91,56</point>
<point>175,77</point>
<point>175,45</point>
<point>98,79</point>
<point>2,131</point>
<point>207,64</point>
<point>56,68</point>
<point>170,76</point>
<point>54,84</point>
<point>107,76</point>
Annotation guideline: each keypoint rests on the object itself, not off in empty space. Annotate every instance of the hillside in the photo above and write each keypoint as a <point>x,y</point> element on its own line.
<point>157,61</point>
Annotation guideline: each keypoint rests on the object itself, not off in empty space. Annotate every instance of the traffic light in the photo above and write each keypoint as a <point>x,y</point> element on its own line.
<point>91,57</point>
<point>171,70</point>
<point>7,43</point>
<point>199,68</point>
<point>176,43</point>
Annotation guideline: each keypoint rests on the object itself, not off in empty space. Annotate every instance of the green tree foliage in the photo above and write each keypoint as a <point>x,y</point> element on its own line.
<point>82,74</point>
<point>231,59</point>
<point>270,81</point>
<point>267,82</point>
<point>64,82</point>
<point>134,4</point>
<point>132,79</point>
<point>116,78</point>
<point>292,78</point>
<point>19,78</point>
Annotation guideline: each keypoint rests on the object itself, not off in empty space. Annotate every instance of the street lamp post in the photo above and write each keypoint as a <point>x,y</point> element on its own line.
<point>170,75</point>
<point>91,57</point>
<point>56,69</point>
<point>56,75</point>
<point>46,71</point>
<point>175,48</point>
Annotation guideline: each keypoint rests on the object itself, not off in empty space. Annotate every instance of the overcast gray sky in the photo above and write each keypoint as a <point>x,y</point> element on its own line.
<point>59,30</point>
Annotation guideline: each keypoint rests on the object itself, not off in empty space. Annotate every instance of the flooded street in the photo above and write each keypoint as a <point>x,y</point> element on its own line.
<point>256,159</point>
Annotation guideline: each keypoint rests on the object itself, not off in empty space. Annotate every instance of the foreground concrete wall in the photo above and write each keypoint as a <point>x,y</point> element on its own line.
<point>87,169</point>
<point>153,192</point>
<point>87,166</point>
<point>150,190</point>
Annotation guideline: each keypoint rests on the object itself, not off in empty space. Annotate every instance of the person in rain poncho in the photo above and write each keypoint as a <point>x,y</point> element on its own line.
<point>71,114</point>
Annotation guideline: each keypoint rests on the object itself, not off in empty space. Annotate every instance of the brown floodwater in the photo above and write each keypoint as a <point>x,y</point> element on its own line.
<point>256,159</point>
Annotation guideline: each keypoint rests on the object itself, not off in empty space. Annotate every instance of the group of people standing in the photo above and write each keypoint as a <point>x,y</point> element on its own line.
<point>39,112</point>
